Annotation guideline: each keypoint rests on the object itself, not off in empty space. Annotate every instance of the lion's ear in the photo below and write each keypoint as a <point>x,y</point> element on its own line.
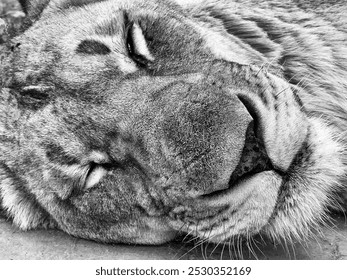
<point>33,8</point>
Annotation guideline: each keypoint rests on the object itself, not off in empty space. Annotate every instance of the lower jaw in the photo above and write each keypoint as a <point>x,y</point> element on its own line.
<point>247,207</point>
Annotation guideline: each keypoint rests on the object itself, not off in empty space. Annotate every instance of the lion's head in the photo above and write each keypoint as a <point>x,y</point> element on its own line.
<point>133,121</point>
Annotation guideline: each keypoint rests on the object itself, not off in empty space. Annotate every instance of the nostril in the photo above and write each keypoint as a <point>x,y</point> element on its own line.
<point>254,158</point>
<point>254,114</point>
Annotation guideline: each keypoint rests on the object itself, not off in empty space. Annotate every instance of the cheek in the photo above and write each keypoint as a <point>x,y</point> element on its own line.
<point>113,197</point>
<point>119,206</point>
<point>244,209</point>
<point>254,200</point>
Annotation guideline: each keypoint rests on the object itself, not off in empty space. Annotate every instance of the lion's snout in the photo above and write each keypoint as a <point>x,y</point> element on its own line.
<point>214,132</point>
<point>204,135</point>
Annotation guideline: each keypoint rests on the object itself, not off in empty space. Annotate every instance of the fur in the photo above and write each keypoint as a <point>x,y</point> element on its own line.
<point>134,121</point>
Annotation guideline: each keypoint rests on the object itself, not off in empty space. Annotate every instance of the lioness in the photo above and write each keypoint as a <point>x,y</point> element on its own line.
<point>133,121</point>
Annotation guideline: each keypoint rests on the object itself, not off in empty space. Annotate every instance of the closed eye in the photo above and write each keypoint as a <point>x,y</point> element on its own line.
<point>95,174</point>
<point>137,45</point>
<point>33,96</point>
<point>35,92</point>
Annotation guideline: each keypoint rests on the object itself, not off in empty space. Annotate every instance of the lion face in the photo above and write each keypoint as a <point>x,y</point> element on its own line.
<point>128,121</point>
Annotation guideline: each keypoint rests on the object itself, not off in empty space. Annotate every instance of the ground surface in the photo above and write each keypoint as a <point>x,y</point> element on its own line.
<point>52,244</point>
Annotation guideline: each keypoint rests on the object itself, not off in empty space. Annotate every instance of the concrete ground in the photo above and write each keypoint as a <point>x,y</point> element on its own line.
<point>54,244</point>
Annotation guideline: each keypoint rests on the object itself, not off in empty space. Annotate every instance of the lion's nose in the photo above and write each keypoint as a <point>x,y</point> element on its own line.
<point>205,133</point>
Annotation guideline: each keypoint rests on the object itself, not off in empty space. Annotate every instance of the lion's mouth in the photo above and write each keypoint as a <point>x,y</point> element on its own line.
<point>265,140</point>
<point>245,206</point>
<point>253,160</point>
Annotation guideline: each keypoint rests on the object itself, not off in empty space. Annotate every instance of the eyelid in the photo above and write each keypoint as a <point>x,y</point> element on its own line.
<point>140,43</point>
<point>137,45</point>
<point>94,176</point>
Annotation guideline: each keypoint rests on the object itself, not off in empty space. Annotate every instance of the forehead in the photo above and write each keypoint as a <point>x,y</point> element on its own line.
<point>166,20</point>
<point>74,20</point>
<point>91,12</point>
<point>60,30</point>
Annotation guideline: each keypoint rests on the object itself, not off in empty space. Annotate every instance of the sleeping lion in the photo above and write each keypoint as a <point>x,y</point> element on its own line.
<point>133,121</point>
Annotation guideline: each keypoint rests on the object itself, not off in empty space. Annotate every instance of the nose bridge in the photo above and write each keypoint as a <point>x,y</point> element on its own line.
<point>204,132</point>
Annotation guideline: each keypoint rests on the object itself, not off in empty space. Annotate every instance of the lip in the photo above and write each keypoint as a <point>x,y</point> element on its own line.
<point>234,182</point>
<point>244,208</point>
<point>248,186</point>
<point>253,160</point>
